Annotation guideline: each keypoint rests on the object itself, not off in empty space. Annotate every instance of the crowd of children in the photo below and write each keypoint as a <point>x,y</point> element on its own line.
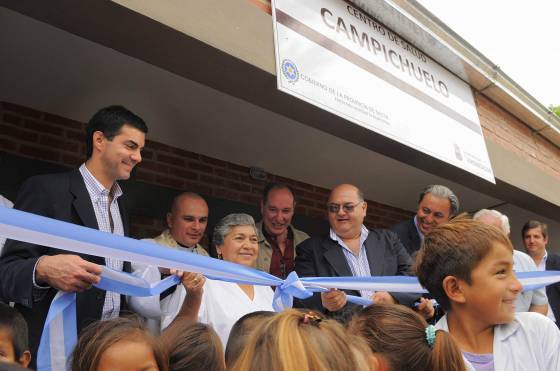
<point>466,266</point>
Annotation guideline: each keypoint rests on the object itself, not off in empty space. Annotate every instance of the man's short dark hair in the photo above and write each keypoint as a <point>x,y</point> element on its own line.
<point>12,321</point>
<point>274,186</point>
<point>534,224</point>
<point>109,121</point>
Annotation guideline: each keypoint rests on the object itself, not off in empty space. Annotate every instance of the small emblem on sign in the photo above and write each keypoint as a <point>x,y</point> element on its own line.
<point>290,71</point>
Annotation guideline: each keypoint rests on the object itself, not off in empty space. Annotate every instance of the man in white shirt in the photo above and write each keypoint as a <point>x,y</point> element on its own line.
<point>535,239</point>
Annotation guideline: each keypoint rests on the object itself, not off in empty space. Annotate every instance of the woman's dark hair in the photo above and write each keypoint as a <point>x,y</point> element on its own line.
<point>99,336</point>
<point>398,334</point>
<point>193,346</point>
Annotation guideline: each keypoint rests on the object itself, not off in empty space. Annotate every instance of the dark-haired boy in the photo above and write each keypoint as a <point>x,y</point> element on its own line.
<point>468,267</point>
<point>14,347</point>
<point>31,275</point>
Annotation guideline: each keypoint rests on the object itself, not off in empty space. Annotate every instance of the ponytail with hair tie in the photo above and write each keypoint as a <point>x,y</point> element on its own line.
<point>430,335</point>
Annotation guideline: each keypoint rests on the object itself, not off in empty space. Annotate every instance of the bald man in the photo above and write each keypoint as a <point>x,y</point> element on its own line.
<point>186,222</point>
<point>350,249</point>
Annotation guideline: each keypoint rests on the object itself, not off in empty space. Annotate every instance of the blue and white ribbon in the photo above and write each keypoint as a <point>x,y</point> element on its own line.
<point>60,332</point>
<point>54,351</point>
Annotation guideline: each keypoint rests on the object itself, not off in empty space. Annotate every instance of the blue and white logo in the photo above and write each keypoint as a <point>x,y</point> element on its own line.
<point>290,71</point>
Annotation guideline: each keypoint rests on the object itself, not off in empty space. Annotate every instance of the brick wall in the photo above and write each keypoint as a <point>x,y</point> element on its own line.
<point>501,127</point>
<point>43,136</point>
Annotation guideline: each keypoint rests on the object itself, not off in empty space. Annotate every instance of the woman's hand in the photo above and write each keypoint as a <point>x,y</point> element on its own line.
<point>192,282</point>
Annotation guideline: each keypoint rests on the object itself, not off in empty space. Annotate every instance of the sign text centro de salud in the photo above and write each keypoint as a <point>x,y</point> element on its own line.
<point>331,54</point>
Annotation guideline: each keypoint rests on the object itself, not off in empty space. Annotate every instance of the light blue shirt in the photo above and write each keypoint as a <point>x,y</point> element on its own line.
<point>359,264</point>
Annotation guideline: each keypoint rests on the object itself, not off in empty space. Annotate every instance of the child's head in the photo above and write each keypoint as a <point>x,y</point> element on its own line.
<point>399,340</point>
<point>118,344</point>
<point>468,264</point>
<point>14,347</point>
<point>310,341</point>
<point>240,333</point>
<point>193,346</point>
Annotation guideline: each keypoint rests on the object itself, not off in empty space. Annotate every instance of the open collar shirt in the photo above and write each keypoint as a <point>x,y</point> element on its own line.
<point>100,198</point>
<point>420,234</point>
<point>529,342</point>
<point>359,264</point>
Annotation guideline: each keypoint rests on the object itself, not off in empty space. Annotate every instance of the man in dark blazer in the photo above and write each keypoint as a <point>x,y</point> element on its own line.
<point>535,239</point>
<point>351,249</point>
<point>436,205</point>
<point>31,275</point>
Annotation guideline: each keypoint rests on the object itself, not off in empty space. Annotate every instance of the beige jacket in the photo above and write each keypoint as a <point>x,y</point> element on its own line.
<point>265,250</point>
<point>166,239</point>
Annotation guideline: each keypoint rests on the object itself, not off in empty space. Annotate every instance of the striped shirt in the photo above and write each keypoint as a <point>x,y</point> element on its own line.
<point>100,200</point>
<point>359,264</point>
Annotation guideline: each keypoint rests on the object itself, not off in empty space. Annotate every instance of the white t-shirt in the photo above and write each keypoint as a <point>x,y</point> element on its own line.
<point>530,342</point>
<point>223,303</point>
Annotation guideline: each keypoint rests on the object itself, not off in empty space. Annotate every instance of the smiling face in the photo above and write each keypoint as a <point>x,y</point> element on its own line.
<point>345,223</point>
<point>118,156</point>
<point>241,246</point>
<point>494,288</point>
<point>432,211</point>
<point>128,355</point>
<point>188,220</point>
<point>535,242</point>
<point>277,211</point>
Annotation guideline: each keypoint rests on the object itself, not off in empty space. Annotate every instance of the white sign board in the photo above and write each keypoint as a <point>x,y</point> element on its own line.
<point>331,54</point>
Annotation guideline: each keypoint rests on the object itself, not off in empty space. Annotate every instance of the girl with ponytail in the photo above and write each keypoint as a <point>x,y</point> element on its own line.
<point>401,340</point>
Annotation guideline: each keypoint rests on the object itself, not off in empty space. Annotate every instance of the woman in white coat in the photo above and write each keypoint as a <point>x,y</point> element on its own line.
<point>218,303</point>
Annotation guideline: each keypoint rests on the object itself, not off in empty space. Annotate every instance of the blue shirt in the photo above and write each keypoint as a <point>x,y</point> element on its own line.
<point>359,264</point>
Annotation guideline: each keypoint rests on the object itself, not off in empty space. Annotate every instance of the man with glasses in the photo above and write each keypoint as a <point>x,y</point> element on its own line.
<point>437,204</point>
<point>350,249</point>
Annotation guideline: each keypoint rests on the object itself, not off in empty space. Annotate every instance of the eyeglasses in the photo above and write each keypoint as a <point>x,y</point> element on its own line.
<point>347,207</point>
